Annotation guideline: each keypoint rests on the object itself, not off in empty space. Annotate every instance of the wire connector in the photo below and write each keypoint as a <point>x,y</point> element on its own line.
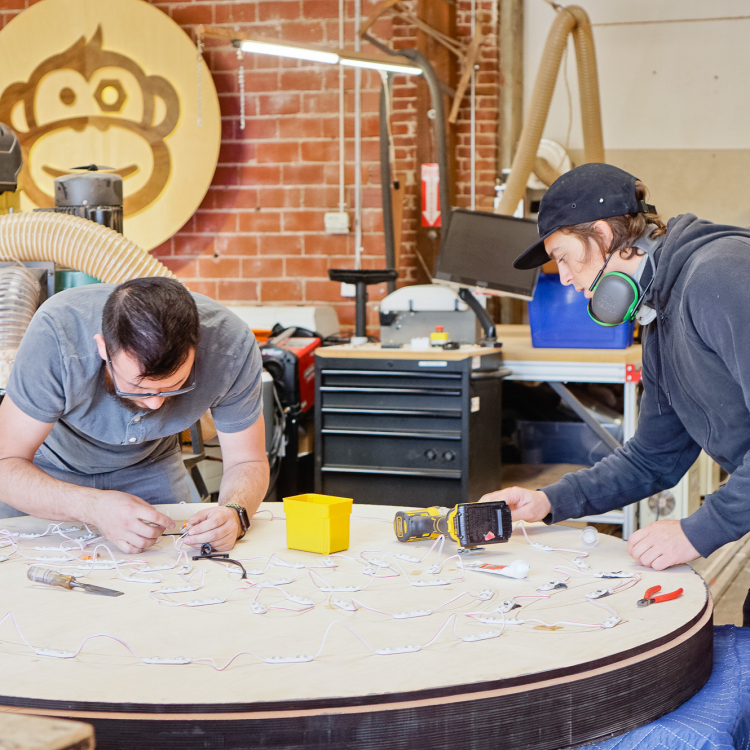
<point>167,660</point>
<point>481,636</point>
<point>598,594</point>
<point>436,582</point>
<point>552,585</point>
<point>542,547</point>
<point>54,652</point>
<point>288,659</point>
<point>415,613</point>
<point>398,650</point>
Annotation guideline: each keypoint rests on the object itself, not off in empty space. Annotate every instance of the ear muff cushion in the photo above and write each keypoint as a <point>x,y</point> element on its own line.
<point>615,297</point>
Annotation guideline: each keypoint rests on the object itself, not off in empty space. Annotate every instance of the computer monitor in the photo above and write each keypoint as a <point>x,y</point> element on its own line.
<point>478,252</point>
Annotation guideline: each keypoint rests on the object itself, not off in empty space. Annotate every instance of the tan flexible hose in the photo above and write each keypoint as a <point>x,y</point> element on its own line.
<point>74,242</point>
<point>572,19</point>
<point>544,171</point>
<point>77,243</point>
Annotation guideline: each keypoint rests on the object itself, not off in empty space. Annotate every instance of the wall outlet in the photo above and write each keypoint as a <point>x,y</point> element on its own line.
<point>336,222</point>
<point>348,290</point>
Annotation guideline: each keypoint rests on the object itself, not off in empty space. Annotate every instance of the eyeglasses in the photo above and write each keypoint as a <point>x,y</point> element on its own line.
<point>146,394</point>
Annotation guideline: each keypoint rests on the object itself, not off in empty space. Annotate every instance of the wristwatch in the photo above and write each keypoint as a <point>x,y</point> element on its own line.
<point>244,520</point>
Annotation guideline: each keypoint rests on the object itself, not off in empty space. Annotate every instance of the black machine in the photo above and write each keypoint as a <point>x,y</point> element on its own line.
<point>10,160</point>
<point>91,193</point>
<point>289,357</point>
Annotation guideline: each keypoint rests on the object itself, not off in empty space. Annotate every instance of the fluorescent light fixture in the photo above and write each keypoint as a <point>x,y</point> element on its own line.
<point>313,54</point>
<point>285,50</point>
<point>378,65</point>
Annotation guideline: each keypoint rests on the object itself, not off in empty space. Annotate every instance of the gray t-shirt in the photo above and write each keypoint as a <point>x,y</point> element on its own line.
<point>58,376</point>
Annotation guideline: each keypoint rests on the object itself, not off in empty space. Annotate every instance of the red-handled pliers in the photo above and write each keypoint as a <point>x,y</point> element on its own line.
<point>649,597</point>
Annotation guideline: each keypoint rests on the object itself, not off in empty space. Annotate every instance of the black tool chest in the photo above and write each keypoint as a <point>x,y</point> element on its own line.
<point>415,432</point>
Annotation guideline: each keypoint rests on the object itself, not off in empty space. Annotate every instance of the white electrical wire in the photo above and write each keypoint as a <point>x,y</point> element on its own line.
<point>374,564</point>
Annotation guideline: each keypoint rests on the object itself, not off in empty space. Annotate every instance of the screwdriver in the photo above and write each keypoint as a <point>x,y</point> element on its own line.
<point>38,574</point>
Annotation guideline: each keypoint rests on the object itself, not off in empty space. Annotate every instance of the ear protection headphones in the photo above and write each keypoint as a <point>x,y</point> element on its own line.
<point>617,296</point>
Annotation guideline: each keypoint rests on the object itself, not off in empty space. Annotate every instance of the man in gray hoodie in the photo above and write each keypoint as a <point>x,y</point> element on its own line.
<point>689,285</point>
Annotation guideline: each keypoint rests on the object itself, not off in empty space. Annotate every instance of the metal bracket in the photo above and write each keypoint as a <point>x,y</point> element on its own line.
<point>632,374</point>
<point>585,415</point>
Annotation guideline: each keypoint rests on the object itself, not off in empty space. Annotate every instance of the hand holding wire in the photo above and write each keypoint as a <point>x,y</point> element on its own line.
<point>129,522</point>
<point>218,526</point>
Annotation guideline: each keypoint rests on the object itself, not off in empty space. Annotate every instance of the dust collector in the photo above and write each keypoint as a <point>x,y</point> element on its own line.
<point>91,194</point>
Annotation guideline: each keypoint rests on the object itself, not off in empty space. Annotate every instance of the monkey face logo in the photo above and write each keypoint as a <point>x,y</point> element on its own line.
<point>111,82</point>
<point>85,92</point>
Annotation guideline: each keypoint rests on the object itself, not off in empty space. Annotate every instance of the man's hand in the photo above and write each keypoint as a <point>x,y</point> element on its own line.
<point>220,526</point>
<point>525,505</point>
<point>661,545</point>
<point>124,519</point>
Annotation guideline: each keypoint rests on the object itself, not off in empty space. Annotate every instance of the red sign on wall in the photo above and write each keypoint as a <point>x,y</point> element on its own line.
<point>430,195</point>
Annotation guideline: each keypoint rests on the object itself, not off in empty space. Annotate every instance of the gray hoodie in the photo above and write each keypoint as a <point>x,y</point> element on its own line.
<point>696,388</point>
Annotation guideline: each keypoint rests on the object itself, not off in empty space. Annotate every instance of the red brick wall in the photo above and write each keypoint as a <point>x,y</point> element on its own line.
<point>258,235</point>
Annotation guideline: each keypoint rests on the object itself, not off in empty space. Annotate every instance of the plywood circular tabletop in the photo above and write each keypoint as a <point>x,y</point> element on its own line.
<point>558,670</point>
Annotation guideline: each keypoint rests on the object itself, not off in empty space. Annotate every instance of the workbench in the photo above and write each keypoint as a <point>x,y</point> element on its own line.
<point>384,645</point>
<point>559,366</point>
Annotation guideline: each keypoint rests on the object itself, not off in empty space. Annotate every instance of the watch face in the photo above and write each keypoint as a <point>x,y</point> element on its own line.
<point>242,513</point>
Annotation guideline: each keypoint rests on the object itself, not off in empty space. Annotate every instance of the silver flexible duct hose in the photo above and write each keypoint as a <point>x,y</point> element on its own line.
<point>19,298</point>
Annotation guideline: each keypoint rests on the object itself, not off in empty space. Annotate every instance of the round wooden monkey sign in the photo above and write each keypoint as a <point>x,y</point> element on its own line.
<point>115,83</point>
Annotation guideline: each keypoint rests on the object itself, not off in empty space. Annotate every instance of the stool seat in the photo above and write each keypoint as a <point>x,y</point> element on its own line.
<point>366,276</point>
<point>362,278</point>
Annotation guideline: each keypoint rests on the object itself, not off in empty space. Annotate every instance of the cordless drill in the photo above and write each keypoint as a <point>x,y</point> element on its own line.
<point>469,524</point>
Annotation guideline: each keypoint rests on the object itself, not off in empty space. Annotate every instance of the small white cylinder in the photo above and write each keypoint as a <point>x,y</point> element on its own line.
<point>589,537</point>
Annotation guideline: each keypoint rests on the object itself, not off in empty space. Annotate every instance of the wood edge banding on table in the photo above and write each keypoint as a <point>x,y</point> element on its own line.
<point>571,709</point>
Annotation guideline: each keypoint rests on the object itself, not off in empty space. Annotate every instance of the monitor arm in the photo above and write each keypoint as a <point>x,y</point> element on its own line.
<point>490,332</point>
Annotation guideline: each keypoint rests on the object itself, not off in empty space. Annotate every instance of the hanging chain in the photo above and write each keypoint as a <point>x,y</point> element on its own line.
<point>199,60</point>
<point>241,82</point>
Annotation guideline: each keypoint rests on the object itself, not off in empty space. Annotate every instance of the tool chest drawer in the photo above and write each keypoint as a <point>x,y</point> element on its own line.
<point>389,420</point>
<point>403,431</point>
<point>391,398</point>
<point>391,488</point>
<point>384,450</point>
<point>391,379</point>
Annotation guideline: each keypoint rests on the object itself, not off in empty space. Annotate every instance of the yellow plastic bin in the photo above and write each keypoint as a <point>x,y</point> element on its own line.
<point>317,523</point>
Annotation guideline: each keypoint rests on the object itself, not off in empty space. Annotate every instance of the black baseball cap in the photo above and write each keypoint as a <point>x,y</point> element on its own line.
<point>587,193</point>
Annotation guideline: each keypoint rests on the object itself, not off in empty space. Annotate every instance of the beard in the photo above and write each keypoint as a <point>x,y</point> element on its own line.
<point>109,386</point>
